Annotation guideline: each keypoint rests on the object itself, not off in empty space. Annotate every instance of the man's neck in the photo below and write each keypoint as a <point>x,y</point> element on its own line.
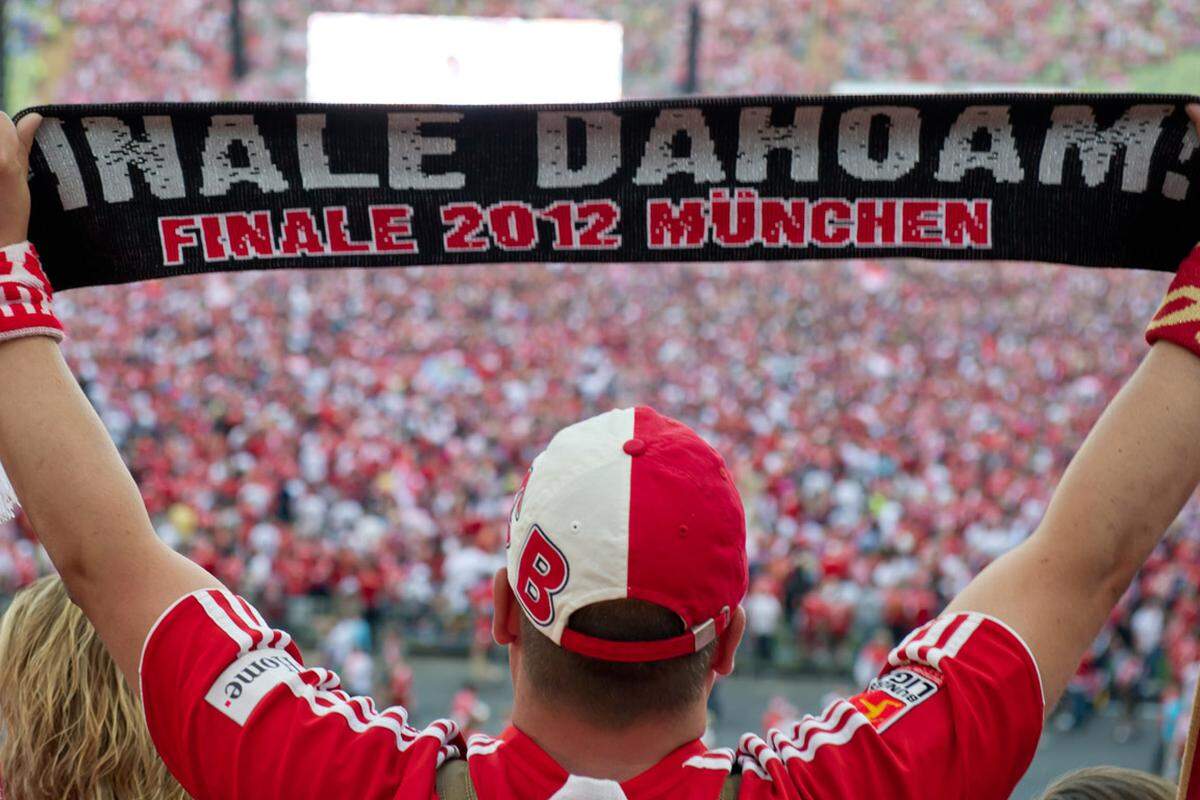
<point>595,752</point>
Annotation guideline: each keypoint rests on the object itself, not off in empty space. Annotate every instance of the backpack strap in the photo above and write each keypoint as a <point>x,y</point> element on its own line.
<point>454,781</point>
<point>733,785</point>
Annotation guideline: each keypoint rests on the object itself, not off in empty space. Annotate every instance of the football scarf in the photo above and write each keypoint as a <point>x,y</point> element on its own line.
<point>151,190</point>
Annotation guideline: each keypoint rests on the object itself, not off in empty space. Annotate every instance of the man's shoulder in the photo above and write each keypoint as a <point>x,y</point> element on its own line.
<point>946,689</point>
<point>226,696</point>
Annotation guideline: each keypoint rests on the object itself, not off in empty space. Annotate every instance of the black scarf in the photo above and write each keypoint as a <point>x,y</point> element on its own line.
<point>130,192</point>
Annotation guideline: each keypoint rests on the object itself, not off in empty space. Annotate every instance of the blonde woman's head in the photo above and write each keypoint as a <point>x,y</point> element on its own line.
<point>1109,783</point>
<point>69,725</point>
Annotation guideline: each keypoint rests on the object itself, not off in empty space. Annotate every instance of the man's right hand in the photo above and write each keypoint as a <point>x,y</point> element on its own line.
<point>16,141</point>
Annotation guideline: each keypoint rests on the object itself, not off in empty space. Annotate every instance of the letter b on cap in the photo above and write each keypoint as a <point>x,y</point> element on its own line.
<point>543,573</point>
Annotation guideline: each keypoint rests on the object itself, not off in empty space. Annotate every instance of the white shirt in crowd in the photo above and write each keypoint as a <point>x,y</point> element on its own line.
<point>764,611</point>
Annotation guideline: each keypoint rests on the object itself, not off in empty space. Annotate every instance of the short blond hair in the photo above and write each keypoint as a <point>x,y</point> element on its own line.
<point>69,724</point>
<point>1110,783</point>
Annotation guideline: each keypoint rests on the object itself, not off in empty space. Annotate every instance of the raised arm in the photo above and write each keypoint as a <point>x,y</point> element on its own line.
<point>76,491</point>
<point>228,701</point>
<point>1125,486</point>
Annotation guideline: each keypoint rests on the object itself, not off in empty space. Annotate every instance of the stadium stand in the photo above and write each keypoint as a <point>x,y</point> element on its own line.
<point>767,46</point>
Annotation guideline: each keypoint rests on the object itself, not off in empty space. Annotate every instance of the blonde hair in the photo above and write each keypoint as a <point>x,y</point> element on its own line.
<point>69,724</point>
<point>1110,783</point>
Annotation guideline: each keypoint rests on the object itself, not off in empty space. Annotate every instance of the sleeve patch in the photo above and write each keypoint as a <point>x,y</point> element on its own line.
<point>891,696</point>
<point>238,690</point>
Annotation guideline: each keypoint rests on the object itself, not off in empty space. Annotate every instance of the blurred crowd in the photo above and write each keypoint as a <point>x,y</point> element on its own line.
<point>347,443</point>
<point>140,49</point>
<point>350,441</point>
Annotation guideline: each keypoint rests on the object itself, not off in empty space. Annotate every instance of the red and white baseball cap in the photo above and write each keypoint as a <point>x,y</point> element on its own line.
<point>628,504</point>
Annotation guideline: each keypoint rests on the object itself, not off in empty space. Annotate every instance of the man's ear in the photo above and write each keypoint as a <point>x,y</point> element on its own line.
<point>727,644</point>
<point>506,617</point>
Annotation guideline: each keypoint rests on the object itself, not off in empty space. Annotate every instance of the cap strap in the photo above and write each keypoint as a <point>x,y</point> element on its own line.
<point>685,644</point>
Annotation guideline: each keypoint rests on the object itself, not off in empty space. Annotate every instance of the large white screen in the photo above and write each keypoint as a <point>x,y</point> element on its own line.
<point>383,58</point>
